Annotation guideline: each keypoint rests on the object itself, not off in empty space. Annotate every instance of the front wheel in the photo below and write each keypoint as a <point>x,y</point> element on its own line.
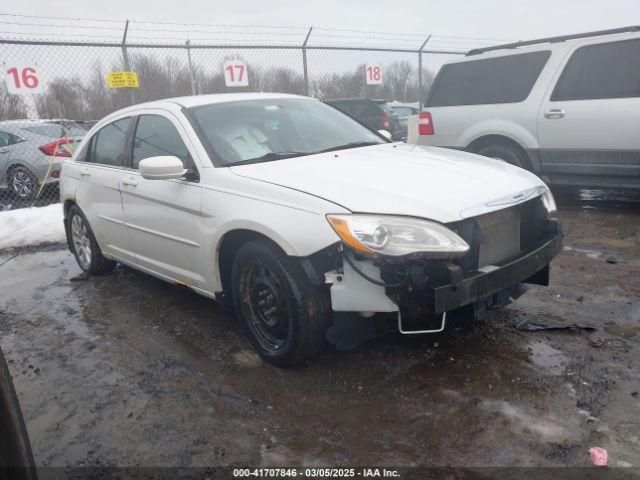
<point>85,248</point>
<point>284,315</point>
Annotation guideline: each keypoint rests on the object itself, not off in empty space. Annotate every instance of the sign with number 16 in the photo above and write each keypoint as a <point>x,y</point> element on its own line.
<point>22,79</point>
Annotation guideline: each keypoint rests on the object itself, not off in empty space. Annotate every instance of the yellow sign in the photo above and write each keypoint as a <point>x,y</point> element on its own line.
<point>122,80</point>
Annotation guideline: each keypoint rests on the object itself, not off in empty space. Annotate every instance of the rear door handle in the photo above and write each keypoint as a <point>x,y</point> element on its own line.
<point>85,172</point>
<point>4,150</point>
<point>554,113</point>
<point>129,182</point>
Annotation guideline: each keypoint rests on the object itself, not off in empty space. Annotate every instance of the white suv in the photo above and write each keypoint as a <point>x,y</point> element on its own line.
<point>293,212</point>
<point>566,108</point>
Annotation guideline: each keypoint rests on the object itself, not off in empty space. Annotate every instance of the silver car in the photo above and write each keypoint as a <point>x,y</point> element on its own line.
<point>31,152</point>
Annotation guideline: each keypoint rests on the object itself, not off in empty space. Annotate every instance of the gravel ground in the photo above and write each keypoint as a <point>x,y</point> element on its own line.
<point>127,370</point>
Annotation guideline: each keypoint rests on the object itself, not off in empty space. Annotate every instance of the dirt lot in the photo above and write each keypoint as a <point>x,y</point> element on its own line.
<point>128,370</point>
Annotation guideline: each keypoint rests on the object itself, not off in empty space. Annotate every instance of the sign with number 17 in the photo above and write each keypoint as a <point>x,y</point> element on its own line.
<point>235,74</point>
<point>22,79</point>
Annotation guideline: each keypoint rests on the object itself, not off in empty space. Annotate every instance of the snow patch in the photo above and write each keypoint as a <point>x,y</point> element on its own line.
<point>31,226</point>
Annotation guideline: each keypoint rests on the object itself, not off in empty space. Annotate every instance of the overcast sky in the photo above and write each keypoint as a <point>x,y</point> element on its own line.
<point>495,19</point>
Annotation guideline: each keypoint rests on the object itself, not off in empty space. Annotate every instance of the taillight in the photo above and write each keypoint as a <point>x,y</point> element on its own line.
<point>384,123</point>
<point>425,124</point>
<point>57,148</point>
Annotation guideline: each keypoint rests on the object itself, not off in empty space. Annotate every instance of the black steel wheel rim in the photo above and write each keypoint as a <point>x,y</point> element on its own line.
<point>266,306</point>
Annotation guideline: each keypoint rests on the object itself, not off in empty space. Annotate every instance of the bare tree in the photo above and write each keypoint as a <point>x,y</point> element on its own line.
<point>282,79</point>
<point>12,107</point>
<point>62,99</point>
<point>89,98</point>
<point>400,77</point>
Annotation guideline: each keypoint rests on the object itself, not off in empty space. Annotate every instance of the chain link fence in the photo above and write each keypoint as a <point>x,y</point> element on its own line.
<point>39,130</point>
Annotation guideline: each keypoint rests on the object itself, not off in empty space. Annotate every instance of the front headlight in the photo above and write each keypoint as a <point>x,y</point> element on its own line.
<point>395,236</point>
<point>548,201</point>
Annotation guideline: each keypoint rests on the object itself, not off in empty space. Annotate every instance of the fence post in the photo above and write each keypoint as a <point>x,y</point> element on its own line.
<point>420,73</point>
<point>304,62</point>
<point>194,87</point>
<point>125,60</point>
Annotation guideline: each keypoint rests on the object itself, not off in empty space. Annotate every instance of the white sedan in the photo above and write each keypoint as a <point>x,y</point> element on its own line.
<point>302,219</point>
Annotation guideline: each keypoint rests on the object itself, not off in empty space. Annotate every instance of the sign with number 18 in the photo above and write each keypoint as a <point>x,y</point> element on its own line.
<point>22,79</point>
<point>373,72</point>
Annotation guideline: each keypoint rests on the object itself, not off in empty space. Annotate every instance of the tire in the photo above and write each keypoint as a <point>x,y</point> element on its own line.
<point>23,183</point>
<point>84,245</point>
<point>508,153</point>
<point>284,315</point>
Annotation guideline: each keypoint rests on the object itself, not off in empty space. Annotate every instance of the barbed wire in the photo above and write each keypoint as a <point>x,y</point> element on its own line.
<point>319,33</point>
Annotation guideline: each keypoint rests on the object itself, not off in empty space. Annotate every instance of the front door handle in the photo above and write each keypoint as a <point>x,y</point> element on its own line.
<point>129,182</point>
<point>85,172</point>
<point>554,113</point>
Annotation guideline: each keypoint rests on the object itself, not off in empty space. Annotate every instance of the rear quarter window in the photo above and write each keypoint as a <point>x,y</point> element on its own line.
<point>606,70</point>
<point>507,79</point>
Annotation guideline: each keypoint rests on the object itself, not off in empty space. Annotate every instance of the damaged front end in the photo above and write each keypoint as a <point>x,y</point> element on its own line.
<point>504,249</point>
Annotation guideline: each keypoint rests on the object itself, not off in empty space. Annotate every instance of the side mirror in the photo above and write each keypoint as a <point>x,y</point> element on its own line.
<point>385,133</point>
<point>161,168</point>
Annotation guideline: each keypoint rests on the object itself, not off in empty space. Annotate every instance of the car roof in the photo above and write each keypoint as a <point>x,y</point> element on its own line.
<point>26,122</point>
<point>544,46</point>
<point>401,104</point>
<point>199,100</point>
<point>354,99</point>
<point>559,41</point>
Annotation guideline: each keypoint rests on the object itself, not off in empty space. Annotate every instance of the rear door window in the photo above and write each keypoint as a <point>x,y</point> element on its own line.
<point>5,139</point>
<point>367,109</point>
<point>108,144</point>
<point>607,70</point>
<point>506,79</point>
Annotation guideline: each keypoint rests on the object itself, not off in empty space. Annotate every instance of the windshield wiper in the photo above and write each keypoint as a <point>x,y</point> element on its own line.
<point>349,145</point>
<point>269,157</point>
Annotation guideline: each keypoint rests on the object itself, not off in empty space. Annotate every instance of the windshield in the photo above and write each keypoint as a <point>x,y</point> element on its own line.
<point>264,130</point>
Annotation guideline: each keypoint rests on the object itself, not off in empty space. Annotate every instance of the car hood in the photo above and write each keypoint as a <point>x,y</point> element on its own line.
<point>400,179</point>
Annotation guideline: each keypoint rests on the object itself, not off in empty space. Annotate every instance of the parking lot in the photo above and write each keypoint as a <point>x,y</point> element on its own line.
<point>127,370</point>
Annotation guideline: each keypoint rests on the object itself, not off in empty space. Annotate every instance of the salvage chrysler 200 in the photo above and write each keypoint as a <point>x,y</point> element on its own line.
<point>301,218</point>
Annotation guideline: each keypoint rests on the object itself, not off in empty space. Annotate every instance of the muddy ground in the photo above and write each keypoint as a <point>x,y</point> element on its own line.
<point>127,370</point>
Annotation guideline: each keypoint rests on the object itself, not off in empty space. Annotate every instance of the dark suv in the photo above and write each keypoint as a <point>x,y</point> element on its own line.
<point>375,114</point>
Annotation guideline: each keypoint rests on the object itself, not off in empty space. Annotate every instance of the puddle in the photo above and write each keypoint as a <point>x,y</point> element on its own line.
<point>247,359</point>
<point>548,428</point>
<point>598,199</point>
<point>547,357</point>
<point>620,330</point>
<point>135,371</point>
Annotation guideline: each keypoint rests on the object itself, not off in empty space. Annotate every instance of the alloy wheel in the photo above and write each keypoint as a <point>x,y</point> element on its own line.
<point>22,184</point>
<point>81,241</point>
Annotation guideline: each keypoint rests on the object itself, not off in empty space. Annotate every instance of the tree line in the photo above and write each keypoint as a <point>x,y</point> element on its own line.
<point>89,98</point>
